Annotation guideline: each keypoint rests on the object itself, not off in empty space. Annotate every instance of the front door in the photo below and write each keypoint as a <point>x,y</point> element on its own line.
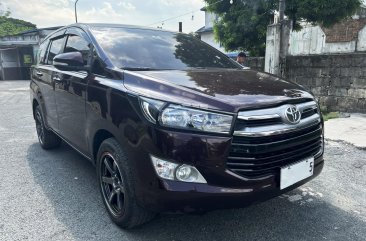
<point>70,91</point>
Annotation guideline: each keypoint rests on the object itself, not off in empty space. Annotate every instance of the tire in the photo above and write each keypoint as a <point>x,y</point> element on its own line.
<point>116,184</point>
<point>46,138</point>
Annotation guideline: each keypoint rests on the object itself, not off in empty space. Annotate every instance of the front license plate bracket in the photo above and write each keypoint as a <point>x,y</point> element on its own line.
<point>296,172</point>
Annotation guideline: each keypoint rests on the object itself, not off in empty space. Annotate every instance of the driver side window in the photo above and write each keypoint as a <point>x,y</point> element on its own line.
<point>76,43</point>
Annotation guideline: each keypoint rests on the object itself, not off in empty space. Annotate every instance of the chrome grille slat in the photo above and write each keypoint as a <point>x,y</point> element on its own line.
<point>257,149</point>
<point>263,142</point>
<point>278,128</point>
<point>282,157</point>
<point>269,158</point>
<point>272,166</point>
<point>258,117</point>
<point>283,141</point>
<point>274,113</point>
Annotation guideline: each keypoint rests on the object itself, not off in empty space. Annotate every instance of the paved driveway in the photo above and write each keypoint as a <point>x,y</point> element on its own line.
<point>52,195</point>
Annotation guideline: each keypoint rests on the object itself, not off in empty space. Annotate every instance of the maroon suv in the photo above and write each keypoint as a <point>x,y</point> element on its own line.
<point>172,124</point>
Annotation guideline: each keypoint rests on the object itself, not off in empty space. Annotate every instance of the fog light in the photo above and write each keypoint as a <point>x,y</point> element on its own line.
<point>164,169</point>
<point>172,171</point>
<point>186,173</point>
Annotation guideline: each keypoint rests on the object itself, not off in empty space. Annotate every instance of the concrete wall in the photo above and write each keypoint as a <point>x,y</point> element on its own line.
<point>361,44</point>
<point>256,63</point>
<point>342,38</point>
<point>277,47</point>
<point>339,81</point>
<point>272,61</point>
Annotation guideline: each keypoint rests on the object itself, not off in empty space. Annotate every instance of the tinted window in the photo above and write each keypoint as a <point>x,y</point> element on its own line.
<point>155,49</point>
<point>42,52</point>
<point>76,43</point>
<point>56,47</point>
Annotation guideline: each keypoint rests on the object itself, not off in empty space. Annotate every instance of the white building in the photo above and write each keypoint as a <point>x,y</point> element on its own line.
<point>18,52</point>
<point>206,32</point>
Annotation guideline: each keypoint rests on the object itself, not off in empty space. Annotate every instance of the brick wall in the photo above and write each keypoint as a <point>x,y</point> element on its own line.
<point>339,81</point>
<point>345,31</point>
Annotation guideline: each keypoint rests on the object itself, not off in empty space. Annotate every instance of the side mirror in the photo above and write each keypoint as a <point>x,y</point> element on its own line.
<point>72,61</point>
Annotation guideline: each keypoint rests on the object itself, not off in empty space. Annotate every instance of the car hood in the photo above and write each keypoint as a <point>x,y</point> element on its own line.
<point>227,90</point>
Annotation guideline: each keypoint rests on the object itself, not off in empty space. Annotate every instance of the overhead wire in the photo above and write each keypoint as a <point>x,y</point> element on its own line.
<point>168,19</point>
<point>184,14</point>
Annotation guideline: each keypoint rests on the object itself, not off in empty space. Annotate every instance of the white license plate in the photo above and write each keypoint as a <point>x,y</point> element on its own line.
<point>296,172</point>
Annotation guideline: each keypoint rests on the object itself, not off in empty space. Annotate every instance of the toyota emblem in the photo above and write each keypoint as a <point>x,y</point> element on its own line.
<point>292,114</point>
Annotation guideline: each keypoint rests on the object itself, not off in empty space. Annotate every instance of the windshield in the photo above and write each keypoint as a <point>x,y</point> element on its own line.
<point>144,49</point>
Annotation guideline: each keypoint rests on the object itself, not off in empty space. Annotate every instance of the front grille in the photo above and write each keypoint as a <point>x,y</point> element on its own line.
<point>255,123</point>
<point>309,112</point>
<point>254,155</point>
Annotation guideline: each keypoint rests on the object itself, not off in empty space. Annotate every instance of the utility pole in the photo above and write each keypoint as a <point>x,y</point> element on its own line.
<point>283,38</point>
<point>277,43</point>
<point>282,7</point>
<point>76,14</point>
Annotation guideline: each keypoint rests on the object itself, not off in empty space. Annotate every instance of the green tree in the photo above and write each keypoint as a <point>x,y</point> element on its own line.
<point>243,24</point>
<point>11,26</point>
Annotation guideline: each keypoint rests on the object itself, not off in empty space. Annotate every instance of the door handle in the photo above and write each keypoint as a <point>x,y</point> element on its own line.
<point>39,74</point>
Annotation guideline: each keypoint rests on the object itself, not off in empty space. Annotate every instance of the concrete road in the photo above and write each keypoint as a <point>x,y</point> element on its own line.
<point>351,129</point>
<point>52,195</point>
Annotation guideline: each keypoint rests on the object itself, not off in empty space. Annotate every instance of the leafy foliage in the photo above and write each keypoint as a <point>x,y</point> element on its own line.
<point>11,26</point>
<point>243,24</point>
<point>322,12</point>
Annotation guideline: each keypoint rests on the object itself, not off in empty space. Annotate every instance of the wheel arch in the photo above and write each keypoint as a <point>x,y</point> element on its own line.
<point>34,105</point>
<point>37,98</point>
<point>100,136</point>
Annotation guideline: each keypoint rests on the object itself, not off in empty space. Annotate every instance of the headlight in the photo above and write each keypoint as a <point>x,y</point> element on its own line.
<point>187,118</point>
<point>151,108</point>
<point>177,116</point>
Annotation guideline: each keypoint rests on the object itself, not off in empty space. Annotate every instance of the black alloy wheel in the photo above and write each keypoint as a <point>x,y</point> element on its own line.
<point>112,184</point>
<point>39,126</point>
<point>47,138</point>
<point>116,179</point>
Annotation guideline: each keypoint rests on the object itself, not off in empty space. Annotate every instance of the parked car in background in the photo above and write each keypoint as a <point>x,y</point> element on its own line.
<point>172,124</point>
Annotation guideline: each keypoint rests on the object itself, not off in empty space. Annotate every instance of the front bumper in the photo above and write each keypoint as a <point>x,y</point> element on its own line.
<point>224,189</point>
<point>175,196</point>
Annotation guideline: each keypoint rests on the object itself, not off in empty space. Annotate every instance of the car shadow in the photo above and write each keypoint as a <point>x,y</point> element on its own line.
<point>68,180</point>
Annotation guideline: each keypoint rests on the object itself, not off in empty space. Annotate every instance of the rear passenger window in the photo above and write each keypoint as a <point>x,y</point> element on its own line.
<point>76,43</point>
<point>55,49</point>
